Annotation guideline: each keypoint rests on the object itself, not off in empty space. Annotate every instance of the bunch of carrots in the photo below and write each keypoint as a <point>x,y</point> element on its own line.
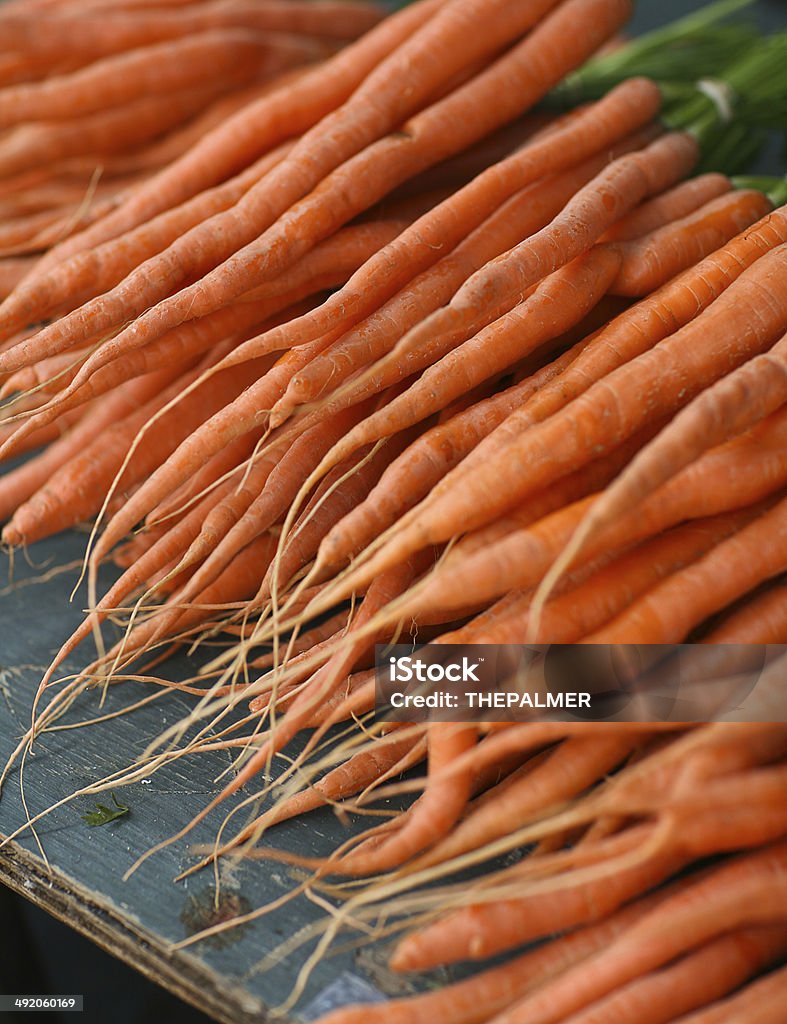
<point>448,324</point>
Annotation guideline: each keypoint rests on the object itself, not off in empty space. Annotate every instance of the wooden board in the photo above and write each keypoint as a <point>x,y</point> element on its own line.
<point>82,883</point>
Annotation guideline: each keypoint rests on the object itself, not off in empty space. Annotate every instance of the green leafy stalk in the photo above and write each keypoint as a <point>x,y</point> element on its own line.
<point>774,188</point>
<point>729,113</point>
<point>688,49</point>
<point>103,815</point>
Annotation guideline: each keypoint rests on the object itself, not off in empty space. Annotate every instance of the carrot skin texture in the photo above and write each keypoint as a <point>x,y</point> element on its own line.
<point>739,564</point>
<point>650,261</point>
<point>756,463</point>
<point>250,132</point>
<point>637,330</point>
<point>672,373</point>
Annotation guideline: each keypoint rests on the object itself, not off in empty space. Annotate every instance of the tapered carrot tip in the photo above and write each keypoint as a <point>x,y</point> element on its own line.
<point>404,957</point>
<point>279,416</point>
<point>11,536</point>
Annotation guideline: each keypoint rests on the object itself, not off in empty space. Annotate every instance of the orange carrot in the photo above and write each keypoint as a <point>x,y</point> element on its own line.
<point>171,66</point>
<point>77,489</point>
<point>737,565</point>
<point>105,132</point>
<point>761,1001</point>
<point>433,815</point>
<point>496,288</point>
<point>252,131</point>
<point>649,262</point>
<point>730,406</point>
<point>761,619</point>
<point>677,925</point>
<point>560,301</point>
<point>672,205</point>
<point>572,767</point>
<point>94,271</point>
<point>264,246</point>
<point>479,931</point>
<point>638,329</point>
<point>527,211</point>
<point>606,593</point>
<point>128,30</point>
<point>714,970</point>
<point>411,476</point>
<point>18,485</point>
<point>473,1000</point>
<point>672,373</point>
<point>326,266</point>
<point>586,134</point>
<point>755,464</point>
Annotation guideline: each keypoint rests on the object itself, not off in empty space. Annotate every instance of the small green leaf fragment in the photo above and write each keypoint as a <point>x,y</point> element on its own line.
<point>105,814</point>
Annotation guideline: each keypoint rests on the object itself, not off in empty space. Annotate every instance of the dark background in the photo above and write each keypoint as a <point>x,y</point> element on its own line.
<point>39,955</point>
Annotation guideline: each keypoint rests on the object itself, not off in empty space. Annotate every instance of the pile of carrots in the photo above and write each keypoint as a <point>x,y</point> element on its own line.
<point>448,324</point>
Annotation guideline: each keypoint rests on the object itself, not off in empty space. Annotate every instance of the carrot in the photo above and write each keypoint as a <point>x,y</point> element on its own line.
<point>674,204</point>
<point>438,131</point>
<point>239,417</point>
<point>18,485</point>
<point>327,265</point>
<point>737,565</point>
<point>47,375</point>
<point>249,512</point>
<point>479,931</point>
<point>649,262</point>
<point>347,779</point>
<point>173,349</point>
<point>12,271</point>
<point>677,925</point>
<point>23,235</point>
<point>46,435</point>
<point>762,1001</point>
<point>714,970</point>
<point>572,767</point>
<point>528,210</point>
<point>671,374</point>
<point>563,299</point>
<point>473,1000</point>
<point>234,583</point>
<point>303,643</point>
<point>156,154</point>
<point>457,171</point>
<point>77,489</point>
<point>761,619</point>
<point>253,131</point>
<point>109,131</point>
<point>637,330</point>
<point>233,55</point>
<point>585,135</point>
<point>497,287</point>
<point>627,107</point>
<point>168,547</point>
<point>330,504</point>
<point>94,271</point>
<point>231,458</point>
<point>432,817</point>
<point>606,593</point>
<point>755,464</point>
<point>91,35</point>
<point>730,406</point>
<point>326,682</point>
<point>424,462</point>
